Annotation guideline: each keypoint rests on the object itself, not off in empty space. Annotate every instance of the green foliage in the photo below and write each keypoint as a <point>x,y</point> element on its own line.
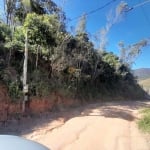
<point>18,9</point>
<point>14,90</point>
<point>39,84</point>
<point>57,60</point>
<point>5,32</point>
<point>144,122</point>
<point>10,77</point>
<point>111,59</point>
<point>42,30</point>
<point>11,43</point>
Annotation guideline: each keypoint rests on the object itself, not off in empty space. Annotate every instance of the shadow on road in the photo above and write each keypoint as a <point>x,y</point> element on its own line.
<point>113,113</point>
<point>120,109</point>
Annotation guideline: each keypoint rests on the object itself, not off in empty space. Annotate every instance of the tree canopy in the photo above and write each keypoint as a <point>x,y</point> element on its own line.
<point>59,61</point>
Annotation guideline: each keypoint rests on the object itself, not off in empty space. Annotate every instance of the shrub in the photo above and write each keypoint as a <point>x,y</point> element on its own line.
<point>144,122</point>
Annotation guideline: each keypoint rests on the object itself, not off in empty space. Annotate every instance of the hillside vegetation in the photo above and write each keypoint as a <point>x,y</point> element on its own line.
<point>58,62</point>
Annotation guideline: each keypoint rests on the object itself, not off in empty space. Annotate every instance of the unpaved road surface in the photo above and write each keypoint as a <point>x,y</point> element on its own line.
<point>107,126</point>
<point>100,126</point>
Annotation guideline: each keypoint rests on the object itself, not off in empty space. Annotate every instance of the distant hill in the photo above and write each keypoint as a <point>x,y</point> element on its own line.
<point>142,73</point>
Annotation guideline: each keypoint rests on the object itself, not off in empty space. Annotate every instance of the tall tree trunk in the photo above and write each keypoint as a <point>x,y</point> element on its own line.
<point>37,56</point>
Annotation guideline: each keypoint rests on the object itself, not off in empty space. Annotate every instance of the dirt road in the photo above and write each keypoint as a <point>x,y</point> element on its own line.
<point>101,126</point>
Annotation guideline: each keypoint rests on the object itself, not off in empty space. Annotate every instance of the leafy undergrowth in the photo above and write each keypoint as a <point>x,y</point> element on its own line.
<point>144,122</point>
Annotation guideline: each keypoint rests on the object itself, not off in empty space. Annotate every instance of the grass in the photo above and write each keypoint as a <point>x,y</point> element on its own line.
<point>144,122</point>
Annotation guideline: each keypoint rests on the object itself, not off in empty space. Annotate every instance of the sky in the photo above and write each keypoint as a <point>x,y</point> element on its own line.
<point>133,27</point>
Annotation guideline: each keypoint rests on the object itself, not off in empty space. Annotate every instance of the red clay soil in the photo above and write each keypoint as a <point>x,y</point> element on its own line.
<point>4,98</point>
<point>35,105</point>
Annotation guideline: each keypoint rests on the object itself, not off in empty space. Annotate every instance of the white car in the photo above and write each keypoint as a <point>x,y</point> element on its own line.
<point>9,142</point>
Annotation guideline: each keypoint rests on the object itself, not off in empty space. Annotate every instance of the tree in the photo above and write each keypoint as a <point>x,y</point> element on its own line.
<point>39,31</point>
<point>111,59</point>
<point>9,6</point>
<point>42,30</point>
<point>129,53</point>
<point>5,33</point>
<point>40,7</point>
<point>81,26</point>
